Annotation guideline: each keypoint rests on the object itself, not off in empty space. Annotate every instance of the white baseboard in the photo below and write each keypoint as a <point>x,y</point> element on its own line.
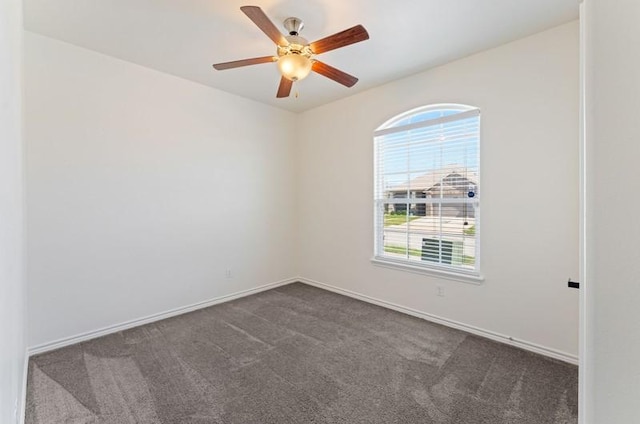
<point>523,344</point>
<point>532,347</point>
<point>56,344</point>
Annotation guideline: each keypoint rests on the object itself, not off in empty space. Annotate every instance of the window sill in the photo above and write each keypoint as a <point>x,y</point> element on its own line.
<point>472,278</point>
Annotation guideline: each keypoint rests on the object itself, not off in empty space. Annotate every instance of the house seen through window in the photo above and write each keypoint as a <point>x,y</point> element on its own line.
<point>427,189</point>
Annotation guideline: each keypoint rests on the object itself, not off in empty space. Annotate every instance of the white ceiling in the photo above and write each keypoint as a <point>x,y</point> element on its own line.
<point>185,37</point>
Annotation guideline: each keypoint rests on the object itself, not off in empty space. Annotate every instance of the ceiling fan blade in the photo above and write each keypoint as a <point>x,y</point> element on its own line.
<point>264,23</point>
<point>285,88</point>
<point>244,62</point>
<point>340,39</point>
<point>335,74</point>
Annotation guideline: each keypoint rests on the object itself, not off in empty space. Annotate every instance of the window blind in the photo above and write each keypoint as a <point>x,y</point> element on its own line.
<point>427,189</point>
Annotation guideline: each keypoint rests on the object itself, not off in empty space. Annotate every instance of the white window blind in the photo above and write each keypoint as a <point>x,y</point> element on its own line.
<point>427,192</point>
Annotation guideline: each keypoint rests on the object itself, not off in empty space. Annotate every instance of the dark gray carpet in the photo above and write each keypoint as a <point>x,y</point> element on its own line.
<point>298,354</point>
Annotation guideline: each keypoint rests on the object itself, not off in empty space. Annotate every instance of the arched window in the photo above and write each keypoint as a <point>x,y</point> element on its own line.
<point>427,189</point>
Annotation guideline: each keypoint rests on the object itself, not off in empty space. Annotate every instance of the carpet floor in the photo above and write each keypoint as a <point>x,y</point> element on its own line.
<point>298,354</point>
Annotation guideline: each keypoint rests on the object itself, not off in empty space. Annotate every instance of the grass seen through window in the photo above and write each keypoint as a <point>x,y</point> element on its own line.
<point>396,219</point>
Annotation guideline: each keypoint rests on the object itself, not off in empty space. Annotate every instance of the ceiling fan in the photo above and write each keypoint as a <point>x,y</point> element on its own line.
<point>295,55</point>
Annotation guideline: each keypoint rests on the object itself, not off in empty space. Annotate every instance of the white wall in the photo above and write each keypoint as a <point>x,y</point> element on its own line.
<point>528,94</point>
<point>12,281</point>
<point>613,149</point>
<point>143,189</point>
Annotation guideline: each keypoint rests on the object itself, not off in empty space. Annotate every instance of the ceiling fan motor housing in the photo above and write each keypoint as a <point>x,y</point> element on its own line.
<point>297,45</point>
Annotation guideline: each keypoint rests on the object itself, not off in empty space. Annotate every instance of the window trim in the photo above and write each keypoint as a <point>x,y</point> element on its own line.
<point>464,114</point>
<point>432,270</point>
<point>473,276</point>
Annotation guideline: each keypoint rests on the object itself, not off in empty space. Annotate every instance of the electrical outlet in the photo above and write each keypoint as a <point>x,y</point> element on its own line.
<point>440,291</point>
<point>227,273</point>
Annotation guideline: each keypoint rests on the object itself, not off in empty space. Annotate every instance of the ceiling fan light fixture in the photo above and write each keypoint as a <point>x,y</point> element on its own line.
<point>294,67</point>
